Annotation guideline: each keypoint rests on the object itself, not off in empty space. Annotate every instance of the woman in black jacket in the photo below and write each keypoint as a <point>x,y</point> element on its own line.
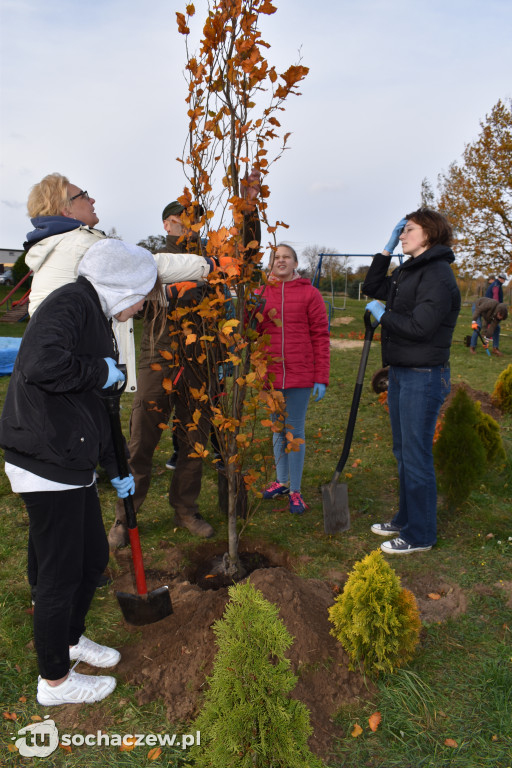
<point>422,305</point>
<point>55,430</point>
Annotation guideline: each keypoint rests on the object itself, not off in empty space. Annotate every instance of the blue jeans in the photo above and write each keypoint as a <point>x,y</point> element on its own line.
<point>290,465</point>
<point>415,396</point>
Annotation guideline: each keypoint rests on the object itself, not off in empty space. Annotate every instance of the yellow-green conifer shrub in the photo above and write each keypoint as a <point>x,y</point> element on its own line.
<point>489,432</point>
<point>375,619</point>
<point>502,394</point>
<point>249,719</point>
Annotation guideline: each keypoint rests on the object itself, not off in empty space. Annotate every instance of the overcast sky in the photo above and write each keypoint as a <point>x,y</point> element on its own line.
<point>94,90</point>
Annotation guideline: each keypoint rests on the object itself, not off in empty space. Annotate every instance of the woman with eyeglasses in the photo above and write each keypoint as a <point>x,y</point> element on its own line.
<point>64,223</point>
<point>422,303</point>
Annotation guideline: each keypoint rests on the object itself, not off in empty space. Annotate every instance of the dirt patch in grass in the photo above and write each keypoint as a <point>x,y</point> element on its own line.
<point>477,395</point>
<point>346,344</point>
<point>341,321</point>
<point>437,598</point>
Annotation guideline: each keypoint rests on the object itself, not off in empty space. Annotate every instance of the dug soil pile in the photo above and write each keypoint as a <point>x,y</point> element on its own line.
<point>172,658</point>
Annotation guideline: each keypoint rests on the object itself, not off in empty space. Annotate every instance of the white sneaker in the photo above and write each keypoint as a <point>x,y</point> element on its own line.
<point>94,654</point>
<point>76,689</point>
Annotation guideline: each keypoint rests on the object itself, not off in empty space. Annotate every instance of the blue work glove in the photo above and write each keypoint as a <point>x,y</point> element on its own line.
<point>376,308</point>
<point>319,391</point>
<point>124,486</point>
<point>114,374</point>
<point>394,239</point>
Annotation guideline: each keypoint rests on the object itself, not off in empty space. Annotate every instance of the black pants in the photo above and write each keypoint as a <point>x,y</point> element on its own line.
<point>71,550</point>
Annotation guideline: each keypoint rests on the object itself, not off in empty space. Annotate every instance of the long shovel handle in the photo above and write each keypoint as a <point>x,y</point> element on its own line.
<point>486,346</point>
<point>112,404</point>
<point>356,397</point>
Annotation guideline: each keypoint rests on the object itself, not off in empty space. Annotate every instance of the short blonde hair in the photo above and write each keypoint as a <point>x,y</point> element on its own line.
<point>49,197</point>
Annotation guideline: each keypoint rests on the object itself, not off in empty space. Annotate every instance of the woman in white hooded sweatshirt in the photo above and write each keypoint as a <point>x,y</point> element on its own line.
<point>55,431</point>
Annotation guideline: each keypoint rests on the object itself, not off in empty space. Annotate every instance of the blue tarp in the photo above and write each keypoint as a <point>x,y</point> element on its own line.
<point>8,351</point>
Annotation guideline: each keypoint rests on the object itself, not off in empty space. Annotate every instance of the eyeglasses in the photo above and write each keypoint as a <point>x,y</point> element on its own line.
<point>405,230</point>
<point>83,194</point>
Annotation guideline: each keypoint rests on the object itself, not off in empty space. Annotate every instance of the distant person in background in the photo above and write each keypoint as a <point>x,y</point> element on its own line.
<point>295,319</point>
<point>487,316</point>
<point>495,290</point>
<point>418,320</point>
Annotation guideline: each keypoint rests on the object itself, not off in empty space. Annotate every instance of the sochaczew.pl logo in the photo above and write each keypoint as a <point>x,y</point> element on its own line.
<point>42,738</point>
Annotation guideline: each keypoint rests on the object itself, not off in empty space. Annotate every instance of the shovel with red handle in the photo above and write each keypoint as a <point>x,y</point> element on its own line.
<point>144,607</point>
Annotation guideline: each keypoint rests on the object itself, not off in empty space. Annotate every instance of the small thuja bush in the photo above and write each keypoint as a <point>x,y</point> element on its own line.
<point>459,452</point>
<point>502,393</point>
<point>249,719</point>
<point>489,432</point>
<point>375,619</point>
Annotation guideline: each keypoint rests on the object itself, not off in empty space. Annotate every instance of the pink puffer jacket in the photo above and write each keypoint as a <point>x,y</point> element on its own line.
<point>299,340</point>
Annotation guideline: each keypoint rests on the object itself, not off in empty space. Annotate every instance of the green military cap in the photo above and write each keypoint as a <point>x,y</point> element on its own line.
<point>173,209</point>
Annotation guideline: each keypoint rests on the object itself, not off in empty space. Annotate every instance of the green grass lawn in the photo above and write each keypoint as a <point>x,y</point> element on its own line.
<point>459,685</point>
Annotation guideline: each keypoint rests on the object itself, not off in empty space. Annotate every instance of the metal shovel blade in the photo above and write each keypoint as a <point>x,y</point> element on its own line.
<point>145,609</point>
<point>335,506</point>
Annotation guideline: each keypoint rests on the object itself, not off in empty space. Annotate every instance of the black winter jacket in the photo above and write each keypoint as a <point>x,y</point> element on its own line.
<point>422,305</point>
<point>54,422</point>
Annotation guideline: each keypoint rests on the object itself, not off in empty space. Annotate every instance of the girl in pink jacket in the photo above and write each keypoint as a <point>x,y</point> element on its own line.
<point>295,319</point>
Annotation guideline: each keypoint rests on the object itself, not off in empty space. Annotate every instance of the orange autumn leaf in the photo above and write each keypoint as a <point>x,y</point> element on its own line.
<point>434,596</point>
<point>154,753</point>
<point>163,426</point>
<point>356,463</point>
<point>199,452</point>
<point>190,338</point>
<point>450,743</point>
<point>128,744</point>
<point>12,748</point>
<point>357,731</point>
<point>182,25</point>
<point>374,721</point>
<point>65,747</point>
<point>22,699</point>
<point>10,716</point>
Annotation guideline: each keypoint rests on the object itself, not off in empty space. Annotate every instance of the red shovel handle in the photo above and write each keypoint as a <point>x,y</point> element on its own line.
<point>112,404</point>
<point>138,566</point>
